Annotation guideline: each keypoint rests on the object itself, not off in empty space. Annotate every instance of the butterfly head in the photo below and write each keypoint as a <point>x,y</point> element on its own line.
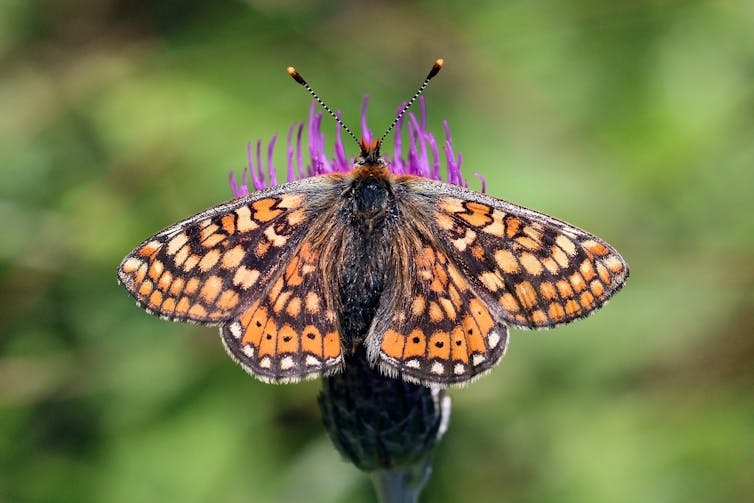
<point>370,154</point>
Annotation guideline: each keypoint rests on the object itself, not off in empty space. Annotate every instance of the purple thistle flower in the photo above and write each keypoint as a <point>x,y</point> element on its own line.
<point>421,158</point>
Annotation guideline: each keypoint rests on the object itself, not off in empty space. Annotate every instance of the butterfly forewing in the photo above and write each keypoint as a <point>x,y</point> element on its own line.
<point>540,271</point>
<point>205,268</point>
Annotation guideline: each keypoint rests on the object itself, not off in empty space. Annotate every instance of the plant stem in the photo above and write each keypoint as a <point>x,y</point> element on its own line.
<point>402,485</point>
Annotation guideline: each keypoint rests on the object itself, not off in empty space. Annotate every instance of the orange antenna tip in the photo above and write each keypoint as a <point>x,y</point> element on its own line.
<point>434,71</point>
<point>436,68</point>
<point>296,76</point>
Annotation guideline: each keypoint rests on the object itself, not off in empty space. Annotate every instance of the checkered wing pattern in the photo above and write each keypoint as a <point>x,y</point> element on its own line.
<point>201,269</point>
<point>541,271</point>
<point>431,327</point>
<point>290,333</point>
<point>244,265</point>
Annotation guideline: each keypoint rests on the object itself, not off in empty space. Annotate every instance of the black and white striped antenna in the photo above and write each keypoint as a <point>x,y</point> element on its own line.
<point>298,78</point>
<point>434,71</point>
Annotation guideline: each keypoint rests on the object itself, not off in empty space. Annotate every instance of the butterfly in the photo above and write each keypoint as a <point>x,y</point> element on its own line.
<point>425,276</point>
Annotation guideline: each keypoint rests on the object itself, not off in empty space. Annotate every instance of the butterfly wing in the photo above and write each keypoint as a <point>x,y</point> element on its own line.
<point>541,271</point>
<point>201,269</point>
<point>229,265</point>
<point>431,327</point>
<point>290,333</point>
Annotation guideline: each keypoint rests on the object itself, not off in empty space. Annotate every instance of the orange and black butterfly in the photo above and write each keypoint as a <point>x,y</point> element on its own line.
<point>425,275</point>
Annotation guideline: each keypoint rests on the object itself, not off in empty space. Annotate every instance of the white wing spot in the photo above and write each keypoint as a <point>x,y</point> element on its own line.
<point>333,361</point>
<point>265,363</point>
<point>235,330</point>
<point>248,350</point>
<point>437,368</point>
<point>131,265</point>
<point>286,363</point>
<point>413,364</point>
<point>312,361</point>
<point>458,368</point>
<point>176,243</point>
<point>566,244</point>
<point>274,238</point>
<point>493,339</point>
<point>477,359</point>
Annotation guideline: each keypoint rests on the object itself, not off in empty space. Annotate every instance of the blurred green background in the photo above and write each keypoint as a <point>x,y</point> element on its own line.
<point>634,120</point>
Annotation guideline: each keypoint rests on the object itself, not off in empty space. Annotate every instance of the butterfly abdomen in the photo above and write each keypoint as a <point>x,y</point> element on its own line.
<point>361,284</point>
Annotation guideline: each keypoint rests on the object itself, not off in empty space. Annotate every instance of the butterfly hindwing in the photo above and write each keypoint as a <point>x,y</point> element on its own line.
<point>541,271</point>
<point>289,333</point>
<point>431,328</point>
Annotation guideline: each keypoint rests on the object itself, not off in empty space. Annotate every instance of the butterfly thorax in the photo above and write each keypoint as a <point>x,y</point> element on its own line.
<point>370,194</point>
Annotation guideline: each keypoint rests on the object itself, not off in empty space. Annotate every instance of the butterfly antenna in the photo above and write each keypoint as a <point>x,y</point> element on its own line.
<point>298,78</point>
<point>434,71</point>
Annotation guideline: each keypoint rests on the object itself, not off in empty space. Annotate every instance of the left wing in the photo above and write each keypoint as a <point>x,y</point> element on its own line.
<point>208,267</point>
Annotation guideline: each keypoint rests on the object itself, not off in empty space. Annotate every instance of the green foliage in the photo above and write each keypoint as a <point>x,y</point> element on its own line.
<point>630,119</point>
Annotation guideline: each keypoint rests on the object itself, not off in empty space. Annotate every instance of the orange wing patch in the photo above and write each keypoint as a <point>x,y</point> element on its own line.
<point>286,336</point>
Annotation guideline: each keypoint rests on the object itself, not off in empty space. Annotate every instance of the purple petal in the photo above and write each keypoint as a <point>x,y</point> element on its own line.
<point>366,134</point>
<point>399,166</point>
<point>291,175</point>
<point>341,160</point>
<point>254,180</point>
<point>299,155</point>
<point>270,166</point>
<point>260,168</point>
<point>481,179</point>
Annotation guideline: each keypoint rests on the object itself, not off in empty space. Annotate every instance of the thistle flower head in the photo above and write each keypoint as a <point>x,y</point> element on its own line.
<point>419,156</point>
